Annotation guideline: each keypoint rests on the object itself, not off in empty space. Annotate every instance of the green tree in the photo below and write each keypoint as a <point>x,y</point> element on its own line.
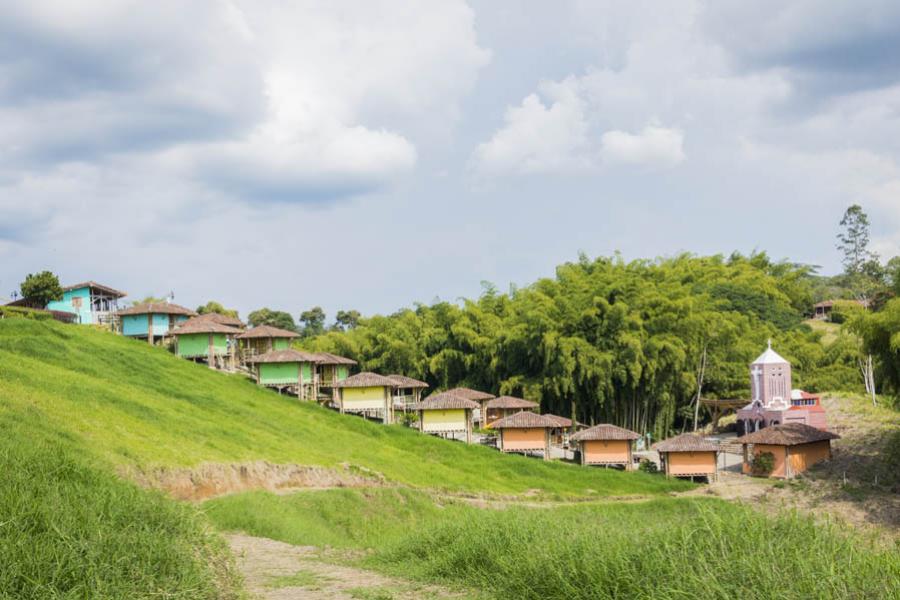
<point>42,287</point>
<point>312,322</point>
<point>273,318</point>
<point>346,319</point>
<point>148,300</point>
<point>853,240</point>
<point>215,307</point>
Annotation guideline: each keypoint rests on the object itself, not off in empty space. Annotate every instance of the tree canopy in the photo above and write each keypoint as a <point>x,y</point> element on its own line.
<point>215,307</point>
<point>42,287</point>
<point>274,318</point>
<point>611,341</point>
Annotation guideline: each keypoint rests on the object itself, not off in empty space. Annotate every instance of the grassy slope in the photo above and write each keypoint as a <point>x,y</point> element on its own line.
<point>663,548</point>
<point>139,406</point>
<point>71,529</point>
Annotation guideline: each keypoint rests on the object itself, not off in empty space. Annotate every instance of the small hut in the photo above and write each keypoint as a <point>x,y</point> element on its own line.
<point>475,396</point>
<point>367,394</point>
<point>204,339</point>
<point>504,406</point>
<point>330,369</point>
<point>446,414</point>
<point>606,445</point>
<point>564,428</point>
<point>153,321</point>
<point>286,369</point>
<point>794,447</point>
<point>408,391</point>
<point>689,455</point>
<point>524,432</point>
<point>263,339</point>
<point>93,303</point>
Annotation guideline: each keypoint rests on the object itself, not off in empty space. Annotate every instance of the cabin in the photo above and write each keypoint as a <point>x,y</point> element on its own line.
<point>606,445</point>
<point>222,320</point>
<point>822,310</point>
<point>91,302</point>
<point>285,370</point>
<point>794,447</point>
<point>262,339</point>
<point>477,396</point>
<point>446,415</point>
<point>524,432</point>
<point>504,406</point>
<point>367,394</point>
<point>774,401</point>
<point>206,340</point>
<point>408,391</point>
<point>153,321</point>
<point>563,429</point>
<point>689,455</point>
<point>330,369</point>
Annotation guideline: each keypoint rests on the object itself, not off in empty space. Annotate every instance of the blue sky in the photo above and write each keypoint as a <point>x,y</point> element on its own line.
<point>374,154</point>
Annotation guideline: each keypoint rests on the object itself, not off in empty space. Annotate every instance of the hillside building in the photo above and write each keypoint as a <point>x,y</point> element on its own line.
<point>286,370</point>
<point>689,455</point>
<point>153,321</point>
<point>524,432</point>
<point>367,394</point>
<point>606,445</point>
<point>794,447</point>
<point>446,415</point>
<point>91,302</point>
<point>505,406</point>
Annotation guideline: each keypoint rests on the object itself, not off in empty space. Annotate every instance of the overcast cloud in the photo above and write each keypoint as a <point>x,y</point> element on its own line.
<point>373,154</point>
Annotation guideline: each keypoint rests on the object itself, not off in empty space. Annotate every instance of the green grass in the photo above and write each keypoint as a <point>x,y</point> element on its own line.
<point>72,529</point>
<point>138,406</point>
<point>303,579</point>
<point>659,548</point>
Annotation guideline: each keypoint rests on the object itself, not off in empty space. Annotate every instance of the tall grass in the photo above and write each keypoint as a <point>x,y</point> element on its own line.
<point>669,548</point>
<point>69,529</point>
<point>140,406</point>
<point>662,549</point>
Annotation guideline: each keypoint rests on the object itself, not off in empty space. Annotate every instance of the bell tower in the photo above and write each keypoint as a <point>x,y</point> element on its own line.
<point>770,380</point>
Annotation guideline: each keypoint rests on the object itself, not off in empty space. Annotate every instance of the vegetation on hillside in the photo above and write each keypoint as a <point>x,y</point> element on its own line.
<point>663,548</point>
<point>72,529</point>
<point>140,406</point>
<point>613,341</point>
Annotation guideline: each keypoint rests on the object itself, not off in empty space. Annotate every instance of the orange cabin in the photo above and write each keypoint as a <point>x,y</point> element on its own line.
<point>606,445</point>
<point>689,455</point>
<point>794,447</point>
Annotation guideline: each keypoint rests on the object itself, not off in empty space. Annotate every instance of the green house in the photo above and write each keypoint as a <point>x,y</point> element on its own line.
<point>287,370</point>
<point>153,321</point>
<point>206,340</point>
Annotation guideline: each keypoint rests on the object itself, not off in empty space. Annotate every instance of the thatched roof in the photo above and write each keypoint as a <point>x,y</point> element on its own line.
<point>469,394</point>
<point>157,308</point>
<point>686,442</point>
<point>284,356</point>
<point>267,331</point>
<point>364,379</point>
<point>510,402</point>
<point>403,381</point>
<point>444,401</point>
<point>788,434</point>
<point>326,358</point>
<point>523,420</point>
<point>605,431</point>
<point>203,326</point>
<point>561,422</point>
<point>222,319</point>
<point>96,286</point>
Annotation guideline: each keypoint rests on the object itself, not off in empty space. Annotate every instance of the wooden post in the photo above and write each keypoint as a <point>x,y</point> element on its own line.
<point>150,328</point>
<point>468,413</point>
<point>340,395</point>
<point>387,405</point>
<point>546,444</point>
<point>421,421</point>
<point>300,381</point>
<point>210,353</point>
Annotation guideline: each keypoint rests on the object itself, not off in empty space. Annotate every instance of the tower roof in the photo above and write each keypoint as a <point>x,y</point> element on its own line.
<point>770,357</point>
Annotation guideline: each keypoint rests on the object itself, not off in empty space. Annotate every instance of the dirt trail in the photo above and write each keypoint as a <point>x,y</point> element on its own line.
<point>278,571</point>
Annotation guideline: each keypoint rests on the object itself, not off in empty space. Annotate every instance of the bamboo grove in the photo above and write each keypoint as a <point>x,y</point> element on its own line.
<point>605,340</point>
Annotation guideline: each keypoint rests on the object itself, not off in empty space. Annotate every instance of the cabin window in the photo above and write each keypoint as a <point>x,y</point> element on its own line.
<point>76,303</point>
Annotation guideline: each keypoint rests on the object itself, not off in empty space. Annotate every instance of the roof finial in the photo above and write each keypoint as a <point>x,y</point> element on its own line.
<point>770,343</point>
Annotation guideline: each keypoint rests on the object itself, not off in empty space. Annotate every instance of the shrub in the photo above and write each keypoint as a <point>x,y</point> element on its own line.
<point>648,466</point>
<point>762,464</point>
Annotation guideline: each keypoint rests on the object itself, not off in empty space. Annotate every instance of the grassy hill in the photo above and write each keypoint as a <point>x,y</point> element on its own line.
<point>139,407</point>
<point>79,405</point>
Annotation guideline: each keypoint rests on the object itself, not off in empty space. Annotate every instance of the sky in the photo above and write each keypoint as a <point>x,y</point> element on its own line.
<point>371,155</point>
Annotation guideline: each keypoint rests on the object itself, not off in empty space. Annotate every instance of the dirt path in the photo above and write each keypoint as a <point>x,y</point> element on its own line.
<point>278,571</point>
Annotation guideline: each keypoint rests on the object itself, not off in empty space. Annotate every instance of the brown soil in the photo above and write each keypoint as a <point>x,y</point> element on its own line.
<point>211,480</point>
<point>278,571</point>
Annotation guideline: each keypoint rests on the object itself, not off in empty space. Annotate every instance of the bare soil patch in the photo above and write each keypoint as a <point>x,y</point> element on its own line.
<point>211,480</point>
<point>278,571</point>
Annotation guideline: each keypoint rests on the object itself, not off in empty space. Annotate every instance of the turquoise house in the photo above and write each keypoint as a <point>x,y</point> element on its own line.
<point>153,321</point>
<point>92,303</point>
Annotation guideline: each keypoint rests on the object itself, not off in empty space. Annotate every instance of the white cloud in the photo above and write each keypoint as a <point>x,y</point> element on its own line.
<point>540,138</point>
<point>652,146</point>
